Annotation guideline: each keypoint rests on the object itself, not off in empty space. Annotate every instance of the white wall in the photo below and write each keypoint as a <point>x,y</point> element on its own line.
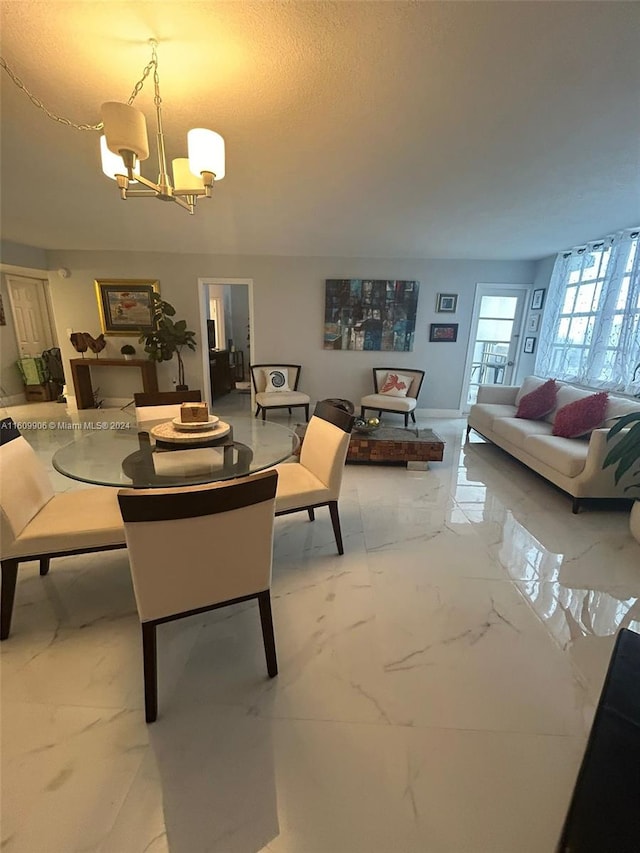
<point>527,363</point>
<point>288,313</point>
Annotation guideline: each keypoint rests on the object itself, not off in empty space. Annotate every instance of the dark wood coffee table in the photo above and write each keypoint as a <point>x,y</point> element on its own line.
<point>415,447</point>
<point>393,444</point>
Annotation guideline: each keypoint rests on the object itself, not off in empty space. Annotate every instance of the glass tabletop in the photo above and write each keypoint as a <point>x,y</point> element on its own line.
<point>133,458</point>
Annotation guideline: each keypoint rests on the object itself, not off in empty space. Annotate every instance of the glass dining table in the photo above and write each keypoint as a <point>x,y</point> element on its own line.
<point>132,457</point>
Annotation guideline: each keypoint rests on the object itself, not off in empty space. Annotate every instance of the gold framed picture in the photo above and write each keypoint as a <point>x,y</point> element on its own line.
<point>126,305</point>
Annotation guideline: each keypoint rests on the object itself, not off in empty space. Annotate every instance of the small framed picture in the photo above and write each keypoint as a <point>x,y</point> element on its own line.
<point>533,322</point>
<point>529,345</point>
<point>125,305</point>
<point>447,303</point>
<point>537,299</point>
<point>443,332</point>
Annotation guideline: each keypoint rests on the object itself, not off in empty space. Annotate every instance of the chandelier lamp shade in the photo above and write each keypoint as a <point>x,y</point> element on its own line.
<point>125,144</point>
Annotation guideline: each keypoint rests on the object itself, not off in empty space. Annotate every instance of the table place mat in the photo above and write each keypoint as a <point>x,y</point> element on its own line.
<point>168,432</point>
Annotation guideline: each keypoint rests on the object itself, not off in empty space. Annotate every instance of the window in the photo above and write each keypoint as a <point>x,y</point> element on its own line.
<point>591,328</point>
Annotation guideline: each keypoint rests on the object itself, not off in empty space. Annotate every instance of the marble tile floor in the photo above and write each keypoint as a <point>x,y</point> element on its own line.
<point>436,683</point>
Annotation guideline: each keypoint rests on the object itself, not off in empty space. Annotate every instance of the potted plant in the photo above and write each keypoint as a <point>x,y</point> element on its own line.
<point>626,456</point>
<point>128,351</point>
<point>168,337</point>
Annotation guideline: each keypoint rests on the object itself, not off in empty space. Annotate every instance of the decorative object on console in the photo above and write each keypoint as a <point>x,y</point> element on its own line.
<point>396,385</point>
<point>370,314</point>
<point>581,416</point>
<point>96,345</point>
<point>529,345</point>
<point>446,303</point>
<point>128,351</point>
<point>539,402</point>
<point>277,381</point>
<point>125,142</point>
<point>126,305</point>
<point>167,337</point>
<point>537,299</point>
<point>443,332</point>
<point>79,342</point>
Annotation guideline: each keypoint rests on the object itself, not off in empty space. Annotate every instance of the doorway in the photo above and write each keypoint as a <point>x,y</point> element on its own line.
<point>226,310</point>
<point>496,326</point>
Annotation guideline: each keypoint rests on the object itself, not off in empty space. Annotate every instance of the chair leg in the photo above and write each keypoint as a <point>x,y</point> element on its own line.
<point>335,521</point>
<point>264,414</point>
<point>380,414</point>
<point>150,666</point>
<point>312,514</point>
<point>9,578</point>
<point>266,620</point>
<point>468,431</point>
<point>406,420</point>
<point>575,508</point>
<point>257,410</point>
<point>362,411</point>
<point>45,562</point>
<point>306,412</point>
<point>290,412</point>
<point>413,417</point>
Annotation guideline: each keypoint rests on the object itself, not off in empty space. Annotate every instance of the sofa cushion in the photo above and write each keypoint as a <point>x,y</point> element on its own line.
<point>581,416</point>
<point>529,384</point>
<point>539,402</point>
<point>565,455</point>
<point>517,430</point>
<point>389,403</point>
<point>619,406</point>
<point>482,415</point>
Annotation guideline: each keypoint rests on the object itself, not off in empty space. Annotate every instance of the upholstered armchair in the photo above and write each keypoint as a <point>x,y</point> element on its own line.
<point>396,390</point>
<point>276,387</point>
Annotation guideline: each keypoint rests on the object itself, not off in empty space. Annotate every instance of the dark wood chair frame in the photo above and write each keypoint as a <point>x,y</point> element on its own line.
<point>344,421</point>
<point>166,398</point>
<point>298,369</point>
<point>394,411</point>
<point>157,508</point>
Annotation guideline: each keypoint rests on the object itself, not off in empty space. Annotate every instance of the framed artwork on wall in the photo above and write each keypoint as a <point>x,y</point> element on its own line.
<point>533,322</point>
<point>125,305</point>
<point>443,332</point>
<point>370,314</point>
<point>446,303</point>
<point>529,345</point>
<point>537,299</point>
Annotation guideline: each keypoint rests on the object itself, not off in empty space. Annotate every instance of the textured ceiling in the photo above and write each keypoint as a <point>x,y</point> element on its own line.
<point>371,129</point>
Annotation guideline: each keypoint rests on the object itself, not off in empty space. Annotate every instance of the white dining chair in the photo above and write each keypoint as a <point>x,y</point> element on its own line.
<point>38,524</point>
<point>162,405</point>
<point>316,480</point>
<point>197,549</point>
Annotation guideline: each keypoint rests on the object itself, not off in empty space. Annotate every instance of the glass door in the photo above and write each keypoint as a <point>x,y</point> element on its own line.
<point>498,312</point>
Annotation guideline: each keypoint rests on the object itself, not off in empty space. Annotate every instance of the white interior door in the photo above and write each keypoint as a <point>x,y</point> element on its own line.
<point>30,311</point>
<point>496,327</point>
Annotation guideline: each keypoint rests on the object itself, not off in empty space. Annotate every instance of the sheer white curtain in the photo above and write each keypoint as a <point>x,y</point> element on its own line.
<point>591,327</point>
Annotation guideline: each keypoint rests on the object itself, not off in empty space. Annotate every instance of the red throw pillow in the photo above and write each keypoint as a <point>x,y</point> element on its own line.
<point>538,403</point>
<point>581,416</point>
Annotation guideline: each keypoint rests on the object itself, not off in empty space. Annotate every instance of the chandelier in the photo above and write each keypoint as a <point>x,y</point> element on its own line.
<point>124,143</point>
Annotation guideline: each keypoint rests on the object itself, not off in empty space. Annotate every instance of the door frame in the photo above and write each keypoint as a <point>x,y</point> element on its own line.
<point>46,308</point>
<point>203,296</point>
<point>478,293</point>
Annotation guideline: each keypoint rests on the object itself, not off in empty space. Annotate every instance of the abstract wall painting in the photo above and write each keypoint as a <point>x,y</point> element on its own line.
<point>370,314</point>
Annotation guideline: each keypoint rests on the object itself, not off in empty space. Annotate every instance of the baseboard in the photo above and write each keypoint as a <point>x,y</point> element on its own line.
<point>14,400</point>
<point>438,413</point>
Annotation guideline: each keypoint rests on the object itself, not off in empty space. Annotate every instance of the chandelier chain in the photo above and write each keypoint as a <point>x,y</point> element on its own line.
<point>153,64</point>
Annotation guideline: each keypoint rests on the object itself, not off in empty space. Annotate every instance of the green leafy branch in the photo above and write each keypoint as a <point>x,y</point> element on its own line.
<point>626,452</point>
<point>167,337</point>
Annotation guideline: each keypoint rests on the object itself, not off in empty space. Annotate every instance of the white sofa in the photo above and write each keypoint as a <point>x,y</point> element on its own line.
<point>572,464</point>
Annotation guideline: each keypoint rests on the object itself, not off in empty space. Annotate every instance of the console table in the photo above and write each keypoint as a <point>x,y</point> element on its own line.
<point>81,373</point>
